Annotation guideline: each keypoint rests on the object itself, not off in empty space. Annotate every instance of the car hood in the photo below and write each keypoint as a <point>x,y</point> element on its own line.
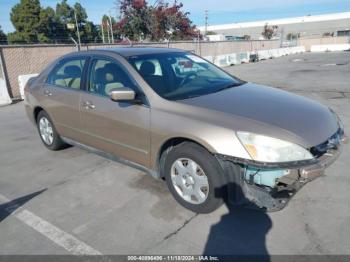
<point>262,106</point>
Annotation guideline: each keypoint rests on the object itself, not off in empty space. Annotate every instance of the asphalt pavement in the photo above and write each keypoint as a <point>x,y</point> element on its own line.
<point>76,202</point>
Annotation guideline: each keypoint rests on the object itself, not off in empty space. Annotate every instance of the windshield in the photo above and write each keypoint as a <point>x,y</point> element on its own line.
<point>176,76</point>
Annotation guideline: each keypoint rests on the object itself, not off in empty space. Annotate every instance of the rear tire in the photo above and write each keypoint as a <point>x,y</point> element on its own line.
<point>195,178</point>
<point>48,133</point>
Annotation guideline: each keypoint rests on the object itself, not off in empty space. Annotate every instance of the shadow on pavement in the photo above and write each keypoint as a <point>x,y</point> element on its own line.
<point>241,232</point>
<point>8,208</point>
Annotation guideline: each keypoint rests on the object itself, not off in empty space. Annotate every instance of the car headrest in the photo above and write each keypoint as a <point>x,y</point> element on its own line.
<point>110,67</point>
<point>112,72</point>
<point>100,76</point>
<point>147,68</point>
<point>72,71</point>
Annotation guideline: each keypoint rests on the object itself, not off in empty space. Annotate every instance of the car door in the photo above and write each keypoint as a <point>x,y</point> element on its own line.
<point>120,128</point>
<point>61,96</point>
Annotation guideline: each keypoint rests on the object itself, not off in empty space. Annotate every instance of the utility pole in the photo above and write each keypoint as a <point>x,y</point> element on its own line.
<point>206,23</point>
<point>111,28</point>
<point>76,24</point>
<point>109,39</point>
<point>103,33</point>
<point>282,37</point>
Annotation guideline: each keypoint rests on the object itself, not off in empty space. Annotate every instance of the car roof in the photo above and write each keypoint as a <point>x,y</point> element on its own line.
<point>132,51</point>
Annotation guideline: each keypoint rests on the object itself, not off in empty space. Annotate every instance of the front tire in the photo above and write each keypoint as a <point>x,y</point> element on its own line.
<point>48,133</point>
<point>195,178</point>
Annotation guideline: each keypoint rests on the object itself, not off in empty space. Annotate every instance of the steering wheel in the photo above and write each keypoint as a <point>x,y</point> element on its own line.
<point>191,75</point>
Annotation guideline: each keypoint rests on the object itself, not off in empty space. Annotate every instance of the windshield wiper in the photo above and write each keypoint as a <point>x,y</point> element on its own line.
<point>197,95</point>
<point>229,86</point>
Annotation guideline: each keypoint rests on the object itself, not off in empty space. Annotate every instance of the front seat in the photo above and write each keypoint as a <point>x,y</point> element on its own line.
<point>100,81</point>
<point>113,77</point>
<point>72,76</point>
<point>147,70</point>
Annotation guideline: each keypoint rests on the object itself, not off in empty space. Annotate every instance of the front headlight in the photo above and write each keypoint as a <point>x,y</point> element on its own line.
<point>268,149</point>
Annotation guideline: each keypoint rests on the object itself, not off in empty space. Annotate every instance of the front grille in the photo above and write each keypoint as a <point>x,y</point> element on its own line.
<point>332,143</point>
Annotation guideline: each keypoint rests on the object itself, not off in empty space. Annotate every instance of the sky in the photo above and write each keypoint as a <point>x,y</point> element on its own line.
<point>219,11</point>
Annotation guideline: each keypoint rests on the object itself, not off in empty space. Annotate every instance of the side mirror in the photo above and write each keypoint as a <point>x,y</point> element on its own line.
<point>123,94</point>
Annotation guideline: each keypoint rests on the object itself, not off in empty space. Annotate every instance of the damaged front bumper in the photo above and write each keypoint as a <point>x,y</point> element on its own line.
<point>270,186</point>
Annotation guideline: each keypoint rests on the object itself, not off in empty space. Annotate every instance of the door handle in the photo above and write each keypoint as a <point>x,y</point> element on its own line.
<point>88,105</point>
<point>47,93</point>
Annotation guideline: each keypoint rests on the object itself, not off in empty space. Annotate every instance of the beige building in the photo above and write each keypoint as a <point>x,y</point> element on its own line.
<point>337,24</point>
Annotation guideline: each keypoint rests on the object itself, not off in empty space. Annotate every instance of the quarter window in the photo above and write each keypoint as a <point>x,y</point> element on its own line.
<point>106,76</point>
<point>67,74</point>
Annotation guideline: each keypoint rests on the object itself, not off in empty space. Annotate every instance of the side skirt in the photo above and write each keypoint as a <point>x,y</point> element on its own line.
<point>111,157</point>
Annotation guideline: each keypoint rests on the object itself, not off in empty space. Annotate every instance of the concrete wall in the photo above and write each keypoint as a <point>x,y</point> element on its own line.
<point>29,59</point>
<point>307,29</point>
<point>323,41</point>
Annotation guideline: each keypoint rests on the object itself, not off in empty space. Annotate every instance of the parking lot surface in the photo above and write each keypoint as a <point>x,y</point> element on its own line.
<point>75,202</point>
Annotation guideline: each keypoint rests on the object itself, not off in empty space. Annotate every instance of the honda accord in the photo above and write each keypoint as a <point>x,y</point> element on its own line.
<point>211,136</point>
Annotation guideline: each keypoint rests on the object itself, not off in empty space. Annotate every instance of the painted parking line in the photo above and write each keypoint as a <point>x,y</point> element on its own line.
<point>56,235</point>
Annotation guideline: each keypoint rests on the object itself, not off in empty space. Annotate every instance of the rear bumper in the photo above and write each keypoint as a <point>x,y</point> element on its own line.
<point>243,191</point>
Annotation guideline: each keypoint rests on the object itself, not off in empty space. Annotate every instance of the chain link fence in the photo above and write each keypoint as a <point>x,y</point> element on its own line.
<point>29,59</point>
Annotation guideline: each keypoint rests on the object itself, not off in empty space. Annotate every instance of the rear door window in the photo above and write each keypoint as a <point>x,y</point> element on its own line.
<point>68,73</point>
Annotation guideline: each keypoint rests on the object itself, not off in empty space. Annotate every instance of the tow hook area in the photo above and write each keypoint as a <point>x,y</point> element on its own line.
<point>270,177</point>
<point>262,188</point>
<point>269,189</point>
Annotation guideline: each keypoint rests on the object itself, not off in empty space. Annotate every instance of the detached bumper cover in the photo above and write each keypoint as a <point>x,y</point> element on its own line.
<point>243,191</point>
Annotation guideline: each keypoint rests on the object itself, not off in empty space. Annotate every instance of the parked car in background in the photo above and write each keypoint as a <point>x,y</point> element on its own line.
<point>211,136</point>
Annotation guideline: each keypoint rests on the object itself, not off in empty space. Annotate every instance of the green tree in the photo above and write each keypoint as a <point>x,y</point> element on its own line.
<point>136,19</point>
<point>269,31</point>
<point>48,26</point>
<point>35,24</point>
<point>328,34</point>
<point>211,33</point>
<point>140,21</point>
<point>105,28</point>
<point>3,37</point>
<point>86,31</point>
<point>91,33</point>
<point>247,37</point>
<point>81,13</point>
<point>25,17</point>
<point>66,14</point>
